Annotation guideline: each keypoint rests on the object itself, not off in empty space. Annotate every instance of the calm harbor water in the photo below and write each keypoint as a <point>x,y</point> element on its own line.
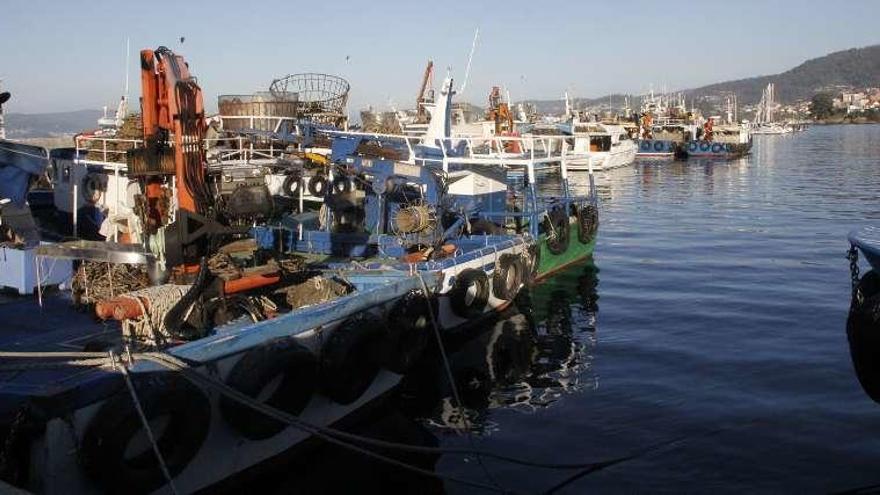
<point>705,339</point>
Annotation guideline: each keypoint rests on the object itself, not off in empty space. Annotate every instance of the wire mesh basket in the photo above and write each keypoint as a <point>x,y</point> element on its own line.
<point>320,97</point>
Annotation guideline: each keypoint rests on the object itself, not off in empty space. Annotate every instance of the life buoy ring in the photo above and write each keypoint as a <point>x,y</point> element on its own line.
<point>704,146</point>
<point>556,228</point>
<point>863,334</point>
<point>728,148</point>
<point>407,331</point>
<point>92,188</point>
<point>658,145</point>
<point>588,223</point>
<point>317,185</point>
<point>104,449</point>
<point>341,184</point>
<point>348,365</point>
<point>646,146</point>
<point>291,185</point>
<point>717,147</point>
<point>508,277</point>
<point>692,146</point>
<point>469,294</point>
<point>284,372</point>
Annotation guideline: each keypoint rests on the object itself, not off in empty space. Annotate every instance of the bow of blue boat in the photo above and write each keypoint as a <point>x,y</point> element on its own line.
<point>867,240</point>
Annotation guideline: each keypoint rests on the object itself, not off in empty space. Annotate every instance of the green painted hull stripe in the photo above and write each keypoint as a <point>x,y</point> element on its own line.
<point>549,262</point>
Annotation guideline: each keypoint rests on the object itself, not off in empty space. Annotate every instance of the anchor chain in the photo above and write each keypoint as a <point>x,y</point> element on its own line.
<point>853,256</point>
<point>7,464</point>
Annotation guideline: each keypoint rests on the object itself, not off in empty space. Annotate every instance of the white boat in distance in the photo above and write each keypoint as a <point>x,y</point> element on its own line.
<point>607,146</point>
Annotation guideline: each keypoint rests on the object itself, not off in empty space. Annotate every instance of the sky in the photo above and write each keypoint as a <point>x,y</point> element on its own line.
<point>63,55</point>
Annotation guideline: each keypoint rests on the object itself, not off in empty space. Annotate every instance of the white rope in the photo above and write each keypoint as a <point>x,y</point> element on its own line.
<point>155,303</point>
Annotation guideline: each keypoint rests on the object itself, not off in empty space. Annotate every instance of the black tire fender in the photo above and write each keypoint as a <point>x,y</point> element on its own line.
<point>348,362</point>
<point>317,185</point>
<point>290,186</point>
<point>558,223</point>
<point>588,223</point>
<point>508,277</point>
<point>863,334</point>
<point>470,293</point>
<point>283,363</point>
<point>108,434</point>
<point>407,331</point>
<point>533,254</point>
<point>341,184</point>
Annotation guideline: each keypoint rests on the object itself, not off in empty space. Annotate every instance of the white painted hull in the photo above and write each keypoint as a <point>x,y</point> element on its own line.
<point>605,160</point>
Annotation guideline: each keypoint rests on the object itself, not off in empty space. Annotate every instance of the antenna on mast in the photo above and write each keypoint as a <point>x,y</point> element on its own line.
<point>467,70</point>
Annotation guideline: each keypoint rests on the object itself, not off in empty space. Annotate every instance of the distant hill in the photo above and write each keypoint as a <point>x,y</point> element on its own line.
<point>42,125</point>
<point>856,67</point>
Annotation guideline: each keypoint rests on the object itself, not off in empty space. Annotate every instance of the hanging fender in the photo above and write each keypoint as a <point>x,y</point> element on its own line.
<point>106,439</point>
<point>283,364</point>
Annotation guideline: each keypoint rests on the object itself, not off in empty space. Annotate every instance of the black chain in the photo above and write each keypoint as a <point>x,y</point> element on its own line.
<point>853,256</point>
<point>6,455</point>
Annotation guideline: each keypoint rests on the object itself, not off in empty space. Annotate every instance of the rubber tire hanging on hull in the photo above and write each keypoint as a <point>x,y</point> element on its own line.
<point>533,254</point>
<point>284,363</point>
<point>317,186</point>
<point>341,184</point>
<point>112,428</point>
<point>348,365</point>
<point>508,277</point>
<point>290,186</point>
<point>459,300</point>
<point>588,223</point>
<point>863,334</point>
<point>557,222</point>
<point>407,332</point>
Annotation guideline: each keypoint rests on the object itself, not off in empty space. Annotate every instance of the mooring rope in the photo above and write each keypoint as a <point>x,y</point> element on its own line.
<point>146,424</point>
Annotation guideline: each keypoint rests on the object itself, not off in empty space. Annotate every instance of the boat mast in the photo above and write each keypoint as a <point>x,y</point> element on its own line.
<point>4,97</point>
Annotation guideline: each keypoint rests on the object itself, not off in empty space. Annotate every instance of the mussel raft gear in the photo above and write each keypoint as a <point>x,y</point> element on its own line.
<point>283,364</point>
<point>863,333</point>
<point>104,447</point>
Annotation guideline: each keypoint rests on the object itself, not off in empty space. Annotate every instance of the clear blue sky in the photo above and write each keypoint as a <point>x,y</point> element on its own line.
<point>58,55</point>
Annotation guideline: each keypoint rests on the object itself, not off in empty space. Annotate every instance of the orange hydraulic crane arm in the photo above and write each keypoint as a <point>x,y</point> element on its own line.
<point>172,105</point>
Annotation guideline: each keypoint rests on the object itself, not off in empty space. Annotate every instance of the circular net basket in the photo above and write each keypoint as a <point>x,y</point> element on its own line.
<point>320,97</point>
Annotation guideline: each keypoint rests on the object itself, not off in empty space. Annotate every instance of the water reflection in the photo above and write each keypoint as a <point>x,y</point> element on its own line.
<point>324,468</point>
<point>526,359</point>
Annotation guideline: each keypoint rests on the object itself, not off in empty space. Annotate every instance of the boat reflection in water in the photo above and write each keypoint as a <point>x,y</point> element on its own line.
<point>527,358</point>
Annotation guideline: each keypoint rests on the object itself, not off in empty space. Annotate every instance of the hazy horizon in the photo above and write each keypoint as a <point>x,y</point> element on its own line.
<point>64,56</point>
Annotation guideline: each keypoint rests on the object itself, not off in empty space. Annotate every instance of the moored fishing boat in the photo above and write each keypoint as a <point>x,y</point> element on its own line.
<point>229,313</point>
<point>722,141</point>
<point>863,322</point>
<point>496,179</point>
